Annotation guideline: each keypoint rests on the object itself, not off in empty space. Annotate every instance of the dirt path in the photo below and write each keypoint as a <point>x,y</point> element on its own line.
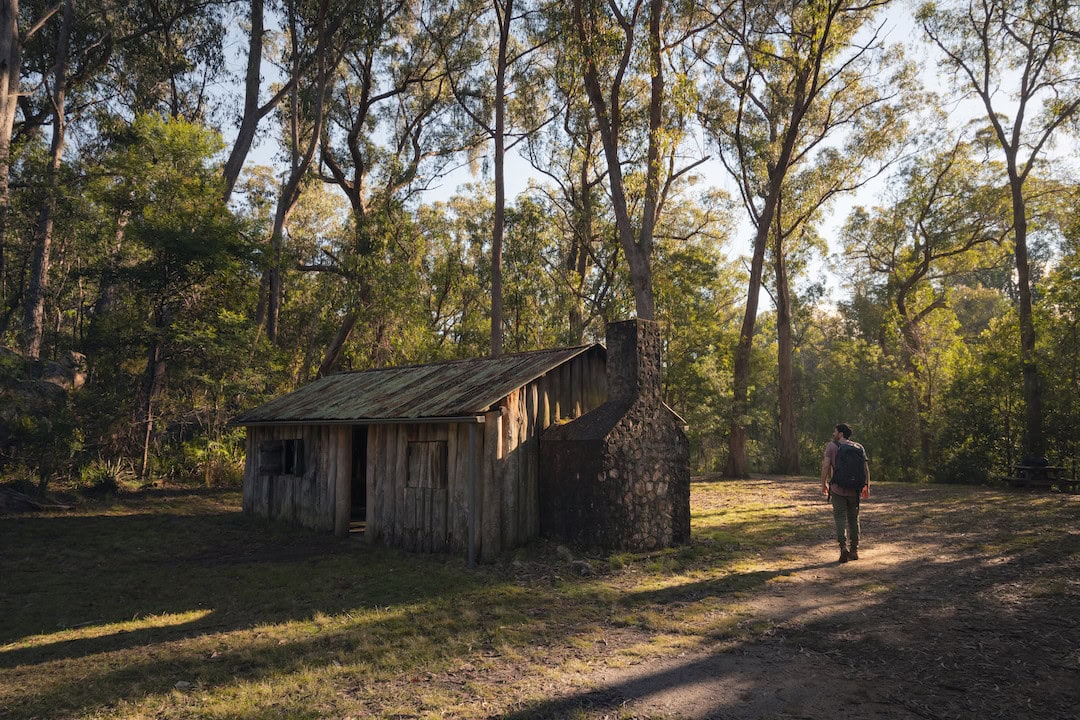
<point>945,615</point>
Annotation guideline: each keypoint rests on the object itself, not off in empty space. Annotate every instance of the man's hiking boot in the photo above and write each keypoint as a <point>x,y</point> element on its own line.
<point>844,555</point>
<point>853,555</point>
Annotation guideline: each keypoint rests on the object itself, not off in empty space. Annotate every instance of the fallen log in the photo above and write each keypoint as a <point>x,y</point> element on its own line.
<point>13,501</point>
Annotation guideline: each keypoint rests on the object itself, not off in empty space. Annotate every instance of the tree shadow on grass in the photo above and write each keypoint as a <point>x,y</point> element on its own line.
<point>897,624</point>
<point>73,582</point>
<point>938,643</point>
<point>93,572</point>
<point>88,571</point>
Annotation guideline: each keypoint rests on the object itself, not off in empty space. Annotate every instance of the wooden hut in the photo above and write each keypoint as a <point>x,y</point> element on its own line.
<point>438,457</point>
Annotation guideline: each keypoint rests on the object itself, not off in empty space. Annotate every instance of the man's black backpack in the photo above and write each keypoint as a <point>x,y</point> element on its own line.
<point>849,466</point>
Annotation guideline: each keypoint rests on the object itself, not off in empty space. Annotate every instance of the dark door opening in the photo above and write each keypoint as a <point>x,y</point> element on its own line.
<point>358,511</point>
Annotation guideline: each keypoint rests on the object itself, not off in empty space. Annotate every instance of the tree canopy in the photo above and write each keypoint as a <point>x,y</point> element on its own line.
<point>206,204</point>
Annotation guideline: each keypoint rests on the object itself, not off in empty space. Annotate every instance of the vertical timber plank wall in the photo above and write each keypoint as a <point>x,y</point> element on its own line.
<point>341,441</point>
<point>490,491</point>
<point>250,463</point>
<point>323,467</point>
<point>531,453</point>
<point>311,495</point>
<point>308,499</point>
<point>388,458</point>
<point>374,485</point>
<point>426,484</point>
<point>425,518</point>
<point>457,486</point>
<point>400,462</point>
<point>508,471</point>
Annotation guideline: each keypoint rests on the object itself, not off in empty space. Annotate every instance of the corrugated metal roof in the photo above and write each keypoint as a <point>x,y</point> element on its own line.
<point>458,388</point>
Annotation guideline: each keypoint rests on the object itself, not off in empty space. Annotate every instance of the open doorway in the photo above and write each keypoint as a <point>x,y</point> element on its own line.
<point>358,510</point>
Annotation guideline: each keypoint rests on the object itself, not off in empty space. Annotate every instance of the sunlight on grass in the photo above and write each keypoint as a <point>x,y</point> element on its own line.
<point>277,623</point>
<point>876,588</point>
<point>97,631</point>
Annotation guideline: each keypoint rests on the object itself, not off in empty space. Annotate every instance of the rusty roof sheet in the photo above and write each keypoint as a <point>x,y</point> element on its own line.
<point>457,388</point>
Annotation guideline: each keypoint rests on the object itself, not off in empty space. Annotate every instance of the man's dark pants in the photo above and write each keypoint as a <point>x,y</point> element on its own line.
<point>846,514</point>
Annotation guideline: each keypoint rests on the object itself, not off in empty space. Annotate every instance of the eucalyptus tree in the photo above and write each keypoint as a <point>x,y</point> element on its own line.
<point>569,156</point>
<point>536,300</point>
<point>15,31</point>
<point>39,272</point>
<point>1063,339</point>
<point>946,218</point>
<point>64,60</point>
<point>698,296</point>
<point>807,101</point>
<point>312,57</point>
<point>180,235</point>
<point>1031,48</point>
<point>629,51</point>
<point>65,67</point>
<point>501,79</point>
<point>389,135</point>
<point>455,273</point>
<point>253,110</point>
<point>168,56</point>
<point>585,259</point>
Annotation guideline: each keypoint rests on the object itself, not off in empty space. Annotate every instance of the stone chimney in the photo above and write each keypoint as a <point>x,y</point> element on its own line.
<point>633,362</point>
<point>618,478</point>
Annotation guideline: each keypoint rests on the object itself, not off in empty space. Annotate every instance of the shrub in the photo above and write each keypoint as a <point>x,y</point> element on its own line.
<point>107,477</point>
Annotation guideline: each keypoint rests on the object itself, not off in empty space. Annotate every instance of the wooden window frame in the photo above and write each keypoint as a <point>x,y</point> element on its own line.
<point>282,457</point>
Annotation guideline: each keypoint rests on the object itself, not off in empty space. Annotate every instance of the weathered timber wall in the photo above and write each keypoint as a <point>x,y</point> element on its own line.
<point>409,510</point>
<point>418,474</point>
<point>310,498</point>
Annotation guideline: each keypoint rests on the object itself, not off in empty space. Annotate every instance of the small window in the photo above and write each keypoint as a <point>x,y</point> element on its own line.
<point>282,457</point>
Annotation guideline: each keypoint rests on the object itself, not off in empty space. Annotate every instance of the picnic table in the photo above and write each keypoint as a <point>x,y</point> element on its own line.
<point>1043,477</point>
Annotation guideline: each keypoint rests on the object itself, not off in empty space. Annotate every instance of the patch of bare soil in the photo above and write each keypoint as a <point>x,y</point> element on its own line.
<point>965,603</point>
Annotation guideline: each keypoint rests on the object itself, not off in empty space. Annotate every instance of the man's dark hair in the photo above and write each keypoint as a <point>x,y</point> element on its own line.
<point>844,429</point>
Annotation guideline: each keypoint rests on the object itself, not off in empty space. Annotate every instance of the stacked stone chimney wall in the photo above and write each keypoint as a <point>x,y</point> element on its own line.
<point>647,473</point>
<point>637,493</point>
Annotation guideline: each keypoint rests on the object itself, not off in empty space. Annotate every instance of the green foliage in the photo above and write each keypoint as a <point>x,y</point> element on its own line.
<point>205,462</point>
<point>106,477</point>
<point>697,305</point>
<point>921,356</point>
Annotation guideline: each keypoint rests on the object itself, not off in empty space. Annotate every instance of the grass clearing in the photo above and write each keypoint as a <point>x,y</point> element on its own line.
<point>178,606</point>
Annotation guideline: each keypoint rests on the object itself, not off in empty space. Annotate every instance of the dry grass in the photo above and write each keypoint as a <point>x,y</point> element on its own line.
<point>177,606</point>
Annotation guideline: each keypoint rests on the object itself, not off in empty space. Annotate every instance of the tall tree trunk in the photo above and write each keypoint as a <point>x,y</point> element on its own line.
<point>1034,439</point>
<point>152,381</point>
<point>10,68</point>
<point>33,324</point>
<point>789,440</point>
<point>578,260</point>
<point>300,160</point>
<point>921,397</point>
<point>333,352</point>
<point>504,14</point>
<point>273,275</point>
<point>107,291</point>
<point>249,122</point>
<point>11,44</point>
<point>738,465</point>
<point>637,246</point>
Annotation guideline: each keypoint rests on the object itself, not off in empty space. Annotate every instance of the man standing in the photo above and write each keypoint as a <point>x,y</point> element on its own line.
<point>845,478</point>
